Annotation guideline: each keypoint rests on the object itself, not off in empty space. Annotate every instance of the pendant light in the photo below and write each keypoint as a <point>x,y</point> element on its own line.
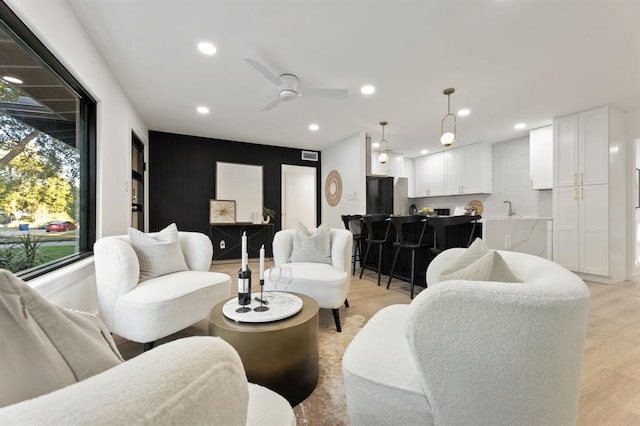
<point>447,137</point>
<point>383,157</point>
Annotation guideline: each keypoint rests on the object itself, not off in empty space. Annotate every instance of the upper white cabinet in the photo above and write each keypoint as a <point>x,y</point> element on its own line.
<point>393,167</point>
<point>407,171</point>
<point>589,217</point>
<point>478,169</point>
<point>465,170</point>
<point>581,146</point>
<point>541,157</point>
<point>428,174</point>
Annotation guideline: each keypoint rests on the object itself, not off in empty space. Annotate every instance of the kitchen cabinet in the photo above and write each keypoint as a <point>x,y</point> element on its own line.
<point>468,170</point>
<point>428,172</point>
<point>581,223</point>
<point>581,145</point>
<point>407,171</point>
<point>541,157</point>
<point>465,170</point>
<point>589,217</point>
<point>393,167</point>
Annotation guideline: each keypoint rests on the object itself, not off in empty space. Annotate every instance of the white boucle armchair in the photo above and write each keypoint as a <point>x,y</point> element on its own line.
<point>189,381</point>
<point>146,311</point>
<point>327,284</point>
<point>474,353</point>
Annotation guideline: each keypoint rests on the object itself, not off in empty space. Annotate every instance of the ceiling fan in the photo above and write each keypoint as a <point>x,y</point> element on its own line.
<point>287,85</point>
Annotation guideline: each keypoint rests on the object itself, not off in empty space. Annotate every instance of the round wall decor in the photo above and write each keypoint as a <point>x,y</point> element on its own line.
<point>333,188</point>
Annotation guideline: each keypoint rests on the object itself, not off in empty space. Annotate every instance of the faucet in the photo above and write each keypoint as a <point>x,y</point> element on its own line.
<point>511,211</point>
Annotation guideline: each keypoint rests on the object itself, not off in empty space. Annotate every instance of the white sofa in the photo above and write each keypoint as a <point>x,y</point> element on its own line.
<point>327,284</point>
<point>473,353</point>
<point>189,381</point>
<point>149,310</point>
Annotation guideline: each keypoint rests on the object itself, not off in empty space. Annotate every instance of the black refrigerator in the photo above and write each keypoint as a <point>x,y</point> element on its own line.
<point>380,195</point>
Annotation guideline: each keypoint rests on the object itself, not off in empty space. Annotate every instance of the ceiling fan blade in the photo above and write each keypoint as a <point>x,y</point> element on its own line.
<point>272,103</point>
<point>264,71</point>
<point>326,93</point>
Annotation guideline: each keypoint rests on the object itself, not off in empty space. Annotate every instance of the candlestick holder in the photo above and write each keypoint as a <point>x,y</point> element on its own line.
<point>261,308</point>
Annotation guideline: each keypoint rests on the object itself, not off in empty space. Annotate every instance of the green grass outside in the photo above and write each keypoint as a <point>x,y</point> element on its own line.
<point>50,253</point>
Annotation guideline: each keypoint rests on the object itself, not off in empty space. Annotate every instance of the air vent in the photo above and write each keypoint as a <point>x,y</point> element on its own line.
<point>310,155</point>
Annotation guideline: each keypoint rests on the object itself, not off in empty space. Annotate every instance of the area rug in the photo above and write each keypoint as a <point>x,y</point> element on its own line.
<point>327,405</point>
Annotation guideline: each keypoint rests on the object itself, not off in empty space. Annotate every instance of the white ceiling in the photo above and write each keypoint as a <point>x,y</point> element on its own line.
<point>509,60</point>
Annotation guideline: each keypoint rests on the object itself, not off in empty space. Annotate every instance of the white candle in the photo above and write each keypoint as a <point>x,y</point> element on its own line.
<point>244,251</point>
<point>262,262</point>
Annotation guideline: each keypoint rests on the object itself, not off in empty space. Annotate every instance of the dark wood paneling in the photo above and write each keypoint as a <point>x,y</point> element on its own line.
<point>182,172</point>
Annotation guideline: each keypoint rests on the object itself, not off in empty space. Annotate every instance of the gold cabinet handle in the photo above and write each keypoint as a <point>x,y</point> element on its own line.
<point>582,192</point>
<point>575,178</point>
<point>575,193</point>
<point>581,178</point>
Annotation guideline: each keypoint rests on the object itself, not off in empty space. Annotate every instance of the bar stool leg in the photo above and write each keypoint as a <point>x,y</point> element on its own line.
<point>393,266</point>
<point>413,269</point>
<point>379,263</point>
<point>366,256</point>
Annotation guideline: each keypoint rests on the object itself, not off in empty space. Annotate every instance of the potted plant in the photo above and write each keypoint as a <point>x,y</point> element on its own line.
<point>267,214</point>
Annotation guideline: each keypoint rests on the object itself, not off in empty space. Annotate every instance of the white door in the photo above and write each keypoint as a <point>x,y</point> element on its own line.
<point>298,196</point>
<point>594,147</point>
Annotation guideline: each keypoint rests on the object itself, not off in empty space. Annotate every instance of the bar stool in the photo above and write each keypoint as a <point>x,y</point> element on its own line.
<point>378,226</point>
<point>410,231</point>
<point>353,222</point>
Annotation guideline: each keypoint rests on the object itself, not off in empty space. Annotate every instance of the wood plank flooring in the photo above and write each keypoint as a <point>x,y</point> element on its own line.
<point>610,391</point>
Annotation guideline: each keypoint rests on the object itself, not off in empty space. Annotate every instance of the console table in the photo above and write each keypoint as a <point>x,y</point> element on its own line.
<point>227,239</point>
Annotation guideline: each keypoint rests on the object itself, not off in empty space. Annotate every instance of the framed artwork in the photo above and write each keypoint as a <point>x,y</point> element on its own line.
<point>222,211</point>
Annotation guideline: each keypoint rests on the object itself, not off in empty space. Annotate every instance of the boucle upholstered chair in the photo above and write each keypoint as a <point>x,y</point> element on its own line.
<point>62,367</point>
<point>327,283</point>
<point>146,311</point>
<point>472,352</point>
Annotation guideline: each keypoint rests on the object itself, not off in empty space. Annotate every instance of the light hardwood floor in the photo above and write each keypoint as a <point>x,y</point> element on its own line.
<point>610,391</point>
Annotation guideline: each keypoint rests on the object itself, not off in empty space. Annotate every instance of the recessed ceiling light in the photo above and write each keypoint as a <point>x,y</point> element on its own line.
<point>313,127</point>
<point>520,126</point>
<point>207,48</point>
<point>12,79</point>
<point>375,145</point>
<point>203,110</point>
<point>367,89</point>
<point>464,112</point>
<point>424,151</point>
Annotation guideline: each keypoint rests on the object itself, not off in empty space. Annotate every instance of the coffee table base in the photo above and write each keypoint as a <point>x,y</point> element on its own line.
<point>282,356</point>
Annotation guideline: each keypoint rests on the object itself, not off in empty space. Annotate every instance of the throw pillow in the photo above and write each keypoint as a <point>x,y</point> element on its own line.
<point>312,247</point>
<point>475,251</point>
<point>158,254</point>
<point>45,347</point>
<point>490,267</point>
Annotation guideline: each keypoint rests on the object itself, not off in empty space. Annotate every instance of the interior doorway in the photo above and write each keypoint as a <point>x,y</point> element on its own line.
<point>138,167</point>
<point>298,196</point>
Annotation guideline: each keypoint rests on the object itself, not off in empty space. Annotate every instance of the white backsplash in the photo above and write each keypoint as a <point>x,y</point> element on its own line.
<point>511,181</point>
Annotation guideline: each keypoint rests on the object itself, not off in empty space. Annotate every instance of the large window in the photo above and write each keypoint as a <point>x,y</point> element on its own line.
<point>47,156</point>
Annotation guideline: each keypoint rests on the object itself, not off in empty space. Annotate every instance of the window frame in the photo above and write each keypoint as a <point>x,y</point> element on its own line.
<point>87,146</point>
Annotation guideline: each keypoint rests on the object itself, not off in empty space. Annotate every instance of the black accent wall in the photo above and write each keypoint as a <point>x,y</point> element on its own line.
<point>182,177</point>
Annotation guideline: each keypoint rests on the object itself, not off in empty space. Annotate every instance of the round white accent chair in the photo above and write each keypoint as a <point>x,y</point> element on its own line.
<point>327,283</point>
<point>146,311</point>
<point>473,352</point>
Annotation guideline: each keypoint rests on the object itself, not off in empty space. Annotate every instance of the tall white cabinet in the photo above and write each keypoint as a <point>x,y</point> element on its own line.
<point>589,194</point>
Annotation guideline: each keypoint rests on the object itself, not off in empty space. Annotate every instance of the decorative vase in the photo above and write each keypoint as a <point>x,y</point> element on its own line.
<point>266,219</point>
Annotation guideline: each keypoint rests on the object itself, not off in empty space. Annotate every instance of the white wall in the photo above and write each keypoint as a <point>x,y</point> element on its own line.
<point>510,180</point>
<point>348,157</point>
<point>55,24</point>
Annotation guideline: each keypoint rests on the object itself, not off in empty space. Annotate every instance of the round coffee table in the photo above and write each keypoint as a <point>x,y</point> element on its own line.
<point>280,355</point>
